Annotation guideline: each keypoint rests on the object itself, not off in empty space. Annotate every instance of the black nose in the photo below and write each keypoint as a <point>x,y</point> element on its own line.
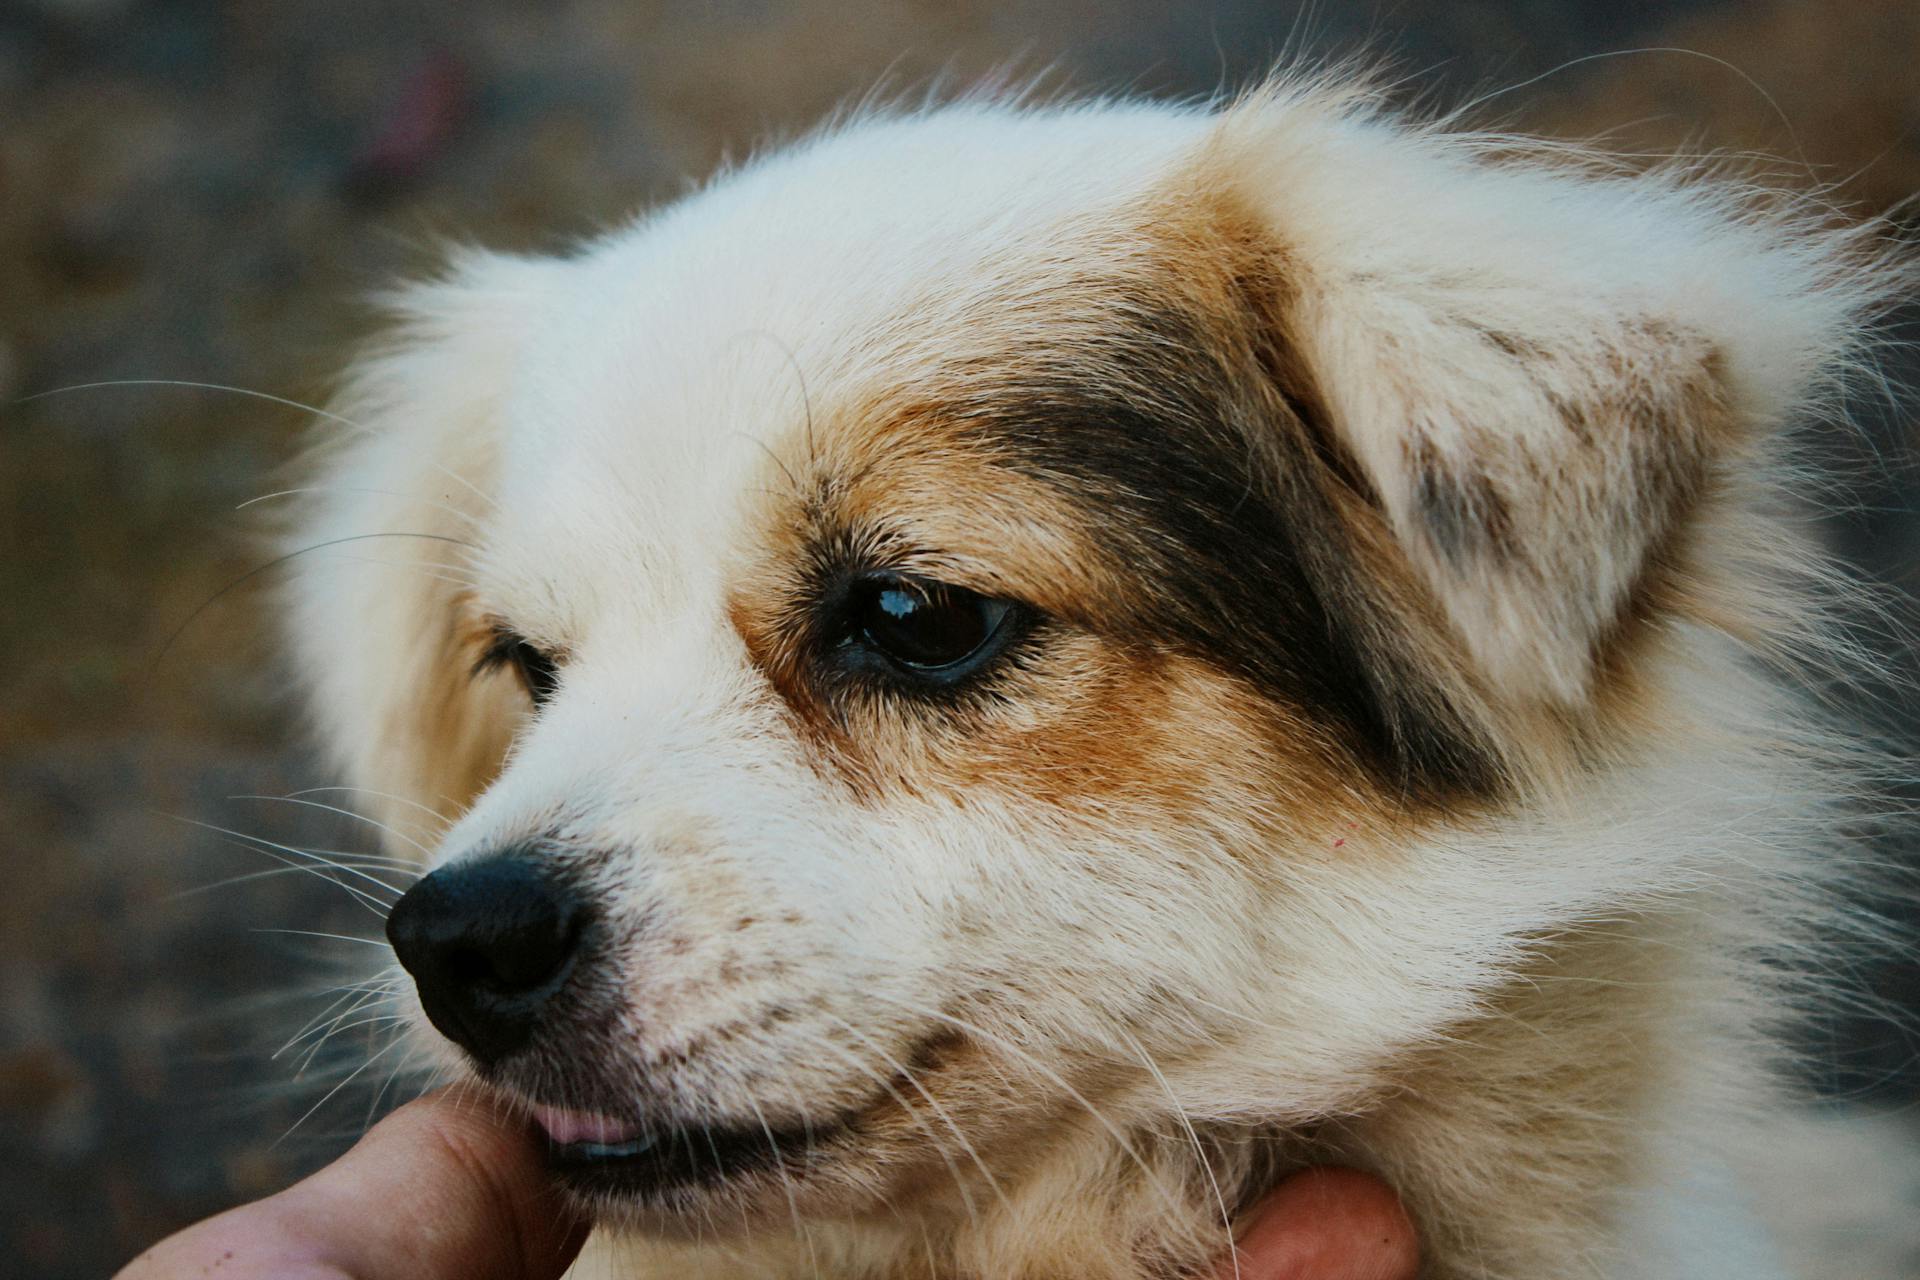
<point>488,943</point>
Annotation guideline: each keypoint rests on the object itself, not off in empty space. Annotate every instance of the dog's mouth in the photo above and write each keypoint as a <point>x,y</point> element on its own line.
<point>600,1155</point>
<point>649,1156</point>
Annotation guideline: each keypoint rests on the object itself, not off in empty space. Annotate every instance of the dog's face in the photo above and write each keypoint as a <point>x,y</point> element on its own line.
<point>993,630</point>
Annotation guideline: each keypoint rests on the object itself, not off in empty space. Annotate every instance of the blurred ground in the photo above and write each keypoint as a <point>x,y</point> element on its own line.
<point>203,190</point>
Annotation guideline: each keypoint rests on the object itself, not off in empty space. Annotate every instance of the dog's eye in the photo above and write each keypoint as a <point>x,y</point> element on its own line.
<point>534,666</point>
<point>926,628</point>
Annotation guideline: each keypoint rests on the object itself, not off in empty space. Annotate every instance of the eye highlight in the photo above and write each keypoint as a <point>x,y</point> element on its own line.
<point>926,630</point>
<point>536,668</point>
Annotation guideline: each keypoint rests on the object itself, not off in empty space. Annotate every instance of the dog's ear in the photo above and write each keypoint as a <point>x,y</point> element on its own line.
<point>1529,480</point>
<point>383,633</point>
<point>1543,380</point>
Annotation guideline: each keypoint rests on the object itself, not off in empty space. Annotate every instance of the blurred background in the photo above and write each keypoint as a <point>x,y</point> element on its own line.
<point>206,191</point>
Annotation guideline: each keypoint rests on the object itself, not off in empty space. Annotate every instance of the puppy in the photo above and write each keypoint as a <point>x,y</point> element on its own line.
<point>1003,677</point>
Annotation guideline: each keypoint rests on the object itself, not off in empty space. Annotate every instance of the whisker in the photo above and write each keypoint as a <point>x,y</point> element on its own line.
<point>373,1008</point>
<point>335,1028</point>
<point>793,482</point>
<point>328,1097</point>
<point>315,410</point>
<point>360,995</point>
<point>786,1182</point>
<point>320,1035</point>
<point>425,568</point>
<point>375,823</point>
<point>429,810</point>
<point>945,1117</point>
<point>886,1086</point>
<point>1050,1075</point>
<point>409,1061</point>
<point>1193,1138</point>
<point>451,510</point>
<point>315,933</point>
<point>806,399</point>
<point>362,858</point>
<point>317,867</point>
<point>811,1148</point>
<point>166,646</point>
<point>262,844</point>
<point>247,878</point>
<point>347,995</point>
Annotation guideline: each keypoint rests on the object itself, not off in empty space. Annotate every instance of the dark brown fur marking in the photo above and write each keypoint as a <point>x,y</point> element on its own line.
<point>1155,399</point>
<point>1464,513</point>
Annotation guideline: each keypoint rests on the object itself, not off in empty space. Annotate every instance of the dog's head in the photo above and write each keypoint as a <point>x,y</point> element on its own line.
<point>992,629</point>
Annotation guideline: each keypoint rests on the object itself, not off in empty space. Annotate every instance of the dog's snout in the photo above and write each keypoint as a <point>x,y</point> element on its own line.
<point>489,944</point>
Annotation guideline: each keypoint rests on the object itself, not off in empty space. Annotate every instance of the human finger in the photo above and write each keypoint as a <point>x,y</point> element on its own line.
<point>1327,1224</point>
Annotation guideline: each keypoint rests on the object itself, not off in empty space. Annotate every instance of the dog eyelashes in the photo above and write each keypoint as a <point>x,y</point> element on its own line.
<point>536,668</point>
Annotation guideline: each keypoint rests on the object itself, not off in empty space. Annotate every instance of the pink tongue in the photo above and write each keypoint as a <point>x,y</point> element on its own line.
<point>567,1127</point>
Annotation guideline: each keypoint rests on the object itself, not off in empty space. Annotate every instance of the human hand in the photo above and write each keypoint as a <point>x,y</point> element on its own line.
<point>448,1188</point>
<point>445,1188</point>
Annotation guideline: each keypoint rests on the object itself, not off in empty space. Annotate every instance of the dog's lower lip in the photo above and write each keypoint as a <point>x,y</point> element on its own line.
<point>662,1159</point>
<point>588,1152</point>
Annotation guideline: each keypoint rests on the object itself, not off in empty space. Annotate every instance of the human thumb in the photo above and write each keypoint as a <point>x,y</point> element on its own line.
<point>446,1187</point>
